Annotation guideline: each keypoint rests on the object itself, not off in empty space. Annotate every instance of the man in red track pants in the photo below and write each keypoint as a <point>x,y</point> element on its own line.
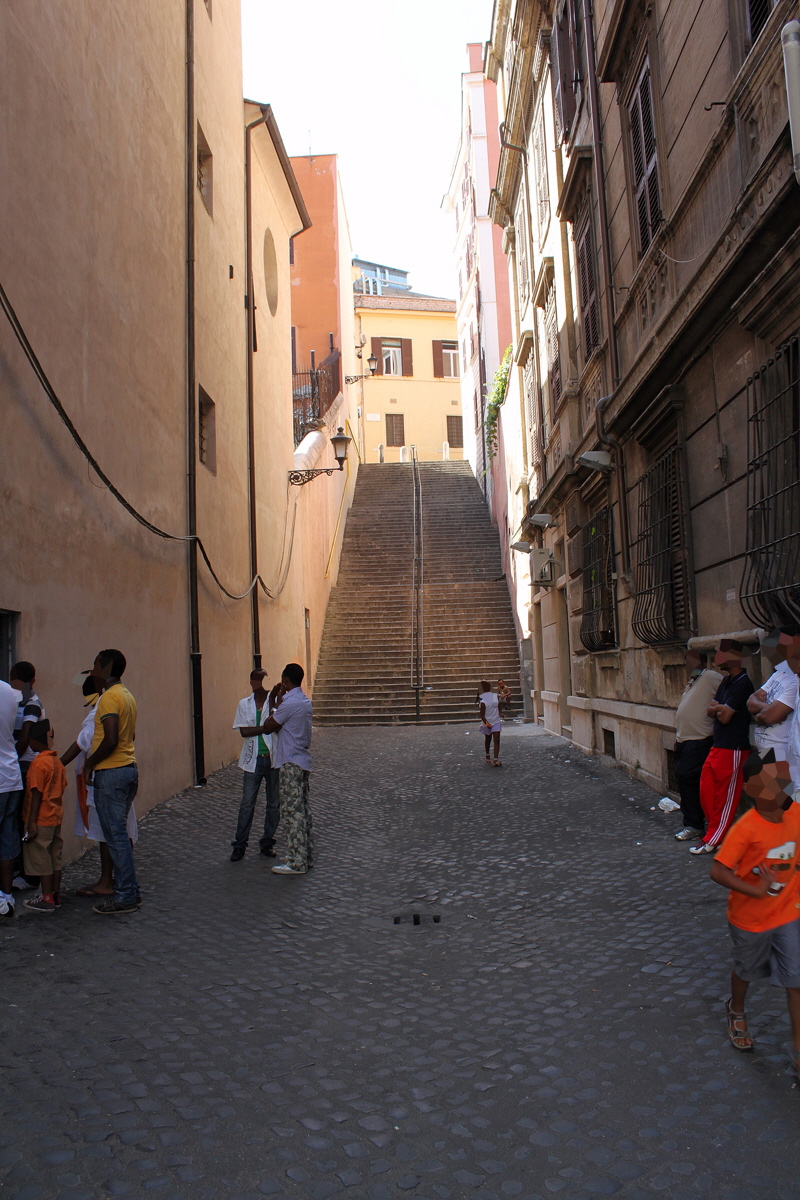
<point>721,779</point>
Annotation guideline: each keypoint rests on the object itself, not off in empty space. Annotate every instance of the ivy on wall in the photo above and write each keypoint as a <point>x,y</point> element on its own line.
<point>495,399</point>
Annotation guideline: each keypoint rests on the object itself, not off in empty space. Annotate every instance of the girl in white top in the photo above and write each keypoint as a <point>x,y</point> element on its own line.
<point>491,724</point>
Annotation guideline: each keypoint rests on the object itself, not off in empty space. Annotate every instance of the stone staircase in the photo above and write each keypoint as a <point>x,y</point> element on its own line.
<point>364,672</point>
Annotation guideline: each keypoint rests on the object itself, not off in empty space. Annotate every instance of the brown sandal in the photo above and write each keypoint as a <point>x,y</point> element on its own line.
<point>740,1039</point>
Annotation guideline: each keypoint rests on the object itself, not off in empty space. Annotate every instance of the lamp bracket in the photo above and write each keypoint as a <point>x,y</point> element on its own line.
<point>298,478</point>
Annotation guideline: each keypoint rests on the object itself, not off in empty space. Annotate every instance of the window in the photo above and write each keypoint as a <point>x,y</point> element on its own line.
<point>207,432</point>
<point>564,69</point>
<point>598,627</point>
<point>586,287</point>
<point>205,171</point>
<point>8,642</point>
<point>531,404</point>
<point>393,355</point>
<point>644,154</point>
<point>757,15</point>
<point>553,349</point>
<point>445,360</point>
<point>395,429</point>
<point>770,591</point>
<point>540,170</point>
<point>662,610</point>
<point>291,252</point>
<point>455,432</point>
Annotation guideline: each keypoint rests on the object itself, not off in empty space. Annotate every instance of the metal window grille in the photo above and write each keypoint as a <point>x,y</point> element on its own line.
<point>663,608</point>
<point>455,432</point>
<point>645,160</point>
<point>598,626</point>
<point>770,591</point>
<point>588,292</point>
<point>553,350</point>
<point>757,12</point>
<point>395,429</point>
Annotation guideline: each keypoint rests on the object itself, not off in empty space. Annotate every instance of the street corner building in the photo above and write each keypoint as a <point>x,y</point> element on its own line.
<point>148,268</point>
<point>646,441</point>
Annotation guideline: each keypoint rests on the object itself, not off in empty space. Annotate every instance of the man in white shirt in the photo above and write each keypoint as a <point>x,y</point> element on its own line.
<point>291,721</point>
<point>30,709</point>
<point>774,705</point>
<point>792,650</point>
<point>256,763</point>
<point>11,792</point>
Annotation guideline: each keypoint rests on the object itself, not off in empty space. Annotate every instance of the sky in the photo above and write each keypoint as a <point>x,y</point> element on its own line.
<point>377,82</point>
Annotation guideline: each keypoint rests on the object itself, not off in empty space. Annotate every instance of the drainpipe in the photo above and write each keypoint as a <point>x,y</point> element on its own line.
<point>195,656</point>
<point>250,311</point>
<point>790,40</point>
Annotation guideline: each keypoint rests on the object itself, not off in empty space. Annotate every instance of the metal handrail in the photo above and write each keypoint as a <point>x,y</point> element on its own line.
<point>417,664</point>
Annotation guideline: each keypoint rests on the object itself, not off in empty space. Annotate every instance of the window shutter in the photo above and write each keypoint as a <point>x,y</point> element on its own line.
<point>377,350</point>
<point>563,69</point>
<point>645,160</point>
<point>553,349</point>
<point>395,429</point>
<point>408,362</point>
<point>586,281</point>
<point>438,361</point>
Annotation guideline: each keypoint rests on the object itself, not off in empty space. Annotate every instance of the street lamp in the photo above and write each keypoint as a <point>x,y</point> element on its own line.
<point>340,442</point>
<point>372,363</point>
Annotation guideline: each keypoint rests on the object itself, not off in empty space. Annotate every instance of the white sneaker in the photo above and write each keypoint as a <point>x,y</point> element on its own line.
<point>21,884</point>
<point>703,848</point>
<point>7,906</point>
<point>285,869</point>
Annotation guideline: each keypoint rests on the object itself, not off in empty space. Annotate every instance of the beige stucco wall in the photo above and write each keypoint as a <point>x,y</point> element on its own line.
<point>96,269</point>
<point>424,401</point>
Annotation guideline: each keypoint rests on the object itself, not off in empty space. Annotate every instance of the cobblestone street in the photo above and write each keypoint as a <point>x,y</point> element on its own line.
<point>552,1026</point>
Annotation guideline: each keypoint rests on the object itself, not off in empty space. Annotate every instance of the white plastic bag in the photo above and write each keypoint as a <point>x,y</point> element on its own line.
<point>667,805</point>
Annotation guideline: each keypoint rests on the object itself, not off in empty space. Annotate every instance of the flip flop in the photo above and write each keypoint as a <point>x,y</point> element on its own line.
<point>91,892</point>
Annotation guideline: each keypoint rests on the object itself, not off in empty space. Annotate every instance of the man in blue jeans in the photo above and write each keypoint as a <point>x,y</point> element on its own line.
<point>256,763</point>
<point>111,767</point>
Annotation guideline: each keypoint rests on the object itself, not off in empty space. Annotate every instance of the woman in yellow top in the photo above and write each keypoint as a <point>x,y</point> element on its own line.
<point>111,768</point>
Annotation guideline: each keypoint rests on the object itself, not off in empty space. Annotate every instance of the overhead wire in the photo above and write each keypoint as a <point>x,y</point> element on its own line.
<point>50,392</point>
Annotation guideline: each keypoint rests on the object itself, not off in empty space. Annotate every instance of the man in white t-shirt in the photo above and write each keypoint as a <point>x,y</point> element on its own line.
<point>256,763</point>
<point>773,706</point>
<point>792,649</point>
<point>11,792</point>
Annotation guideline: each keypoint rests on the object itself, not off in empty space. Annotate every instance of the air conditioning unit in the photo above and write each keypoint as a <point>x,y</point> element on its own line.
<point>545,568</point>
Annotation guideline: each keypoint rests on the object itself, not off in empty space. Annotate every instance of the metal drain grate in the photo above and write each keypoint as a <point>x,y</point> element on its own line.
<point>416,919</point>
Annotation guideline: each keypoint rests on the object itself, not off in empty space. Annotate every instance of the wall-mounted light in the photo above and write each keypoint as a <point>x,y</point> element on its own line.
<point>372,363</point>
<point>340,442</point>
<point>597,460</point>
<point>522,547</point>
<point>541,520</point>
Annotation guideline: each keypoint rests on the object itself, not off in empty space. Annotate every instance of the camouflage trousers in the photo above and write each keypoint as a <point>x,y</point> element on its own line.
<point>296,816</point>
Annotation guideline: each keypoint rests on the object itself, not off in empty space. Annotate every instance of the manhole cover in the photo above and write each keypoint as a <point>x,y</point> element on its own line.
<point>416,919</point>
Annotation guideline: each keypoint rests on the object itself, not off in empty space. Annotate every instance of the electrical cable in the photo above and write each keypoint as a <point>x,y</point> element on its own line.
<point>52,396</point>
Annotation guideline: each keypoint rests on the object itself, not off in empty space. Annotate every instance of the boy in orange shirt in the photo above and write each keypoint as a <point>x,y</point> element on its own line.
<point>42,813</point>
<point>759,861</point>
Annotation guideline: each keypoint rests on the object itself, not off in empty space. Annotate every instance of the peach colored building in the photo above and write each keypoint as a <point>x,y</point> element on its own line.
<point>149,268</point>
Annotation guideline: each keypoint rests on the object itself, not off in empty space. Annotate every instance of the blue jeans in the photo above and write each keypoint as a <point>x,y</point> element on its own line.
<point>250,788</point>
<point>114,793</point>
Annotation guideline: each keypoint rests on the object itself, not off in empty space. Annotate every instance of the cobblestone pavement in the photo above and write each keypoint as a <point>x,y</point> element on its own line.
<point>557,1031</point>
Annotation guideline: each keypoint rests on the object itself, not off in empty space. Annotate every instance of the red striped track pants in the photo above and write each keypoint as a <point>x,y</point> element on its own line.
<point>720,788</point>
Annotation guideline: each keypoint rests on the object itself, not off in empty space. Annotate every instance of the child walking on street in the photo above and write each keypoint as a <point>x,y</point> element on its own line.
<point>42,813</point>
<point>491,725</point>
<point>759,862</point>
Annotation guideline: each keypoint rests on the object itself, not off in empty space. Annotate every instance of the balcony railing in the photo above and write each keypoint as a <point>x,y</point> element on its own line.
<point>313,392</point>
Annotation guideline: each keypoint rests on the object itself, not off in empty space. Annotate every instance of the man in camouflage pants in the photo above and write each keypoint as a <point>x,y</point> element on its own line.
<point>291,720</point>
